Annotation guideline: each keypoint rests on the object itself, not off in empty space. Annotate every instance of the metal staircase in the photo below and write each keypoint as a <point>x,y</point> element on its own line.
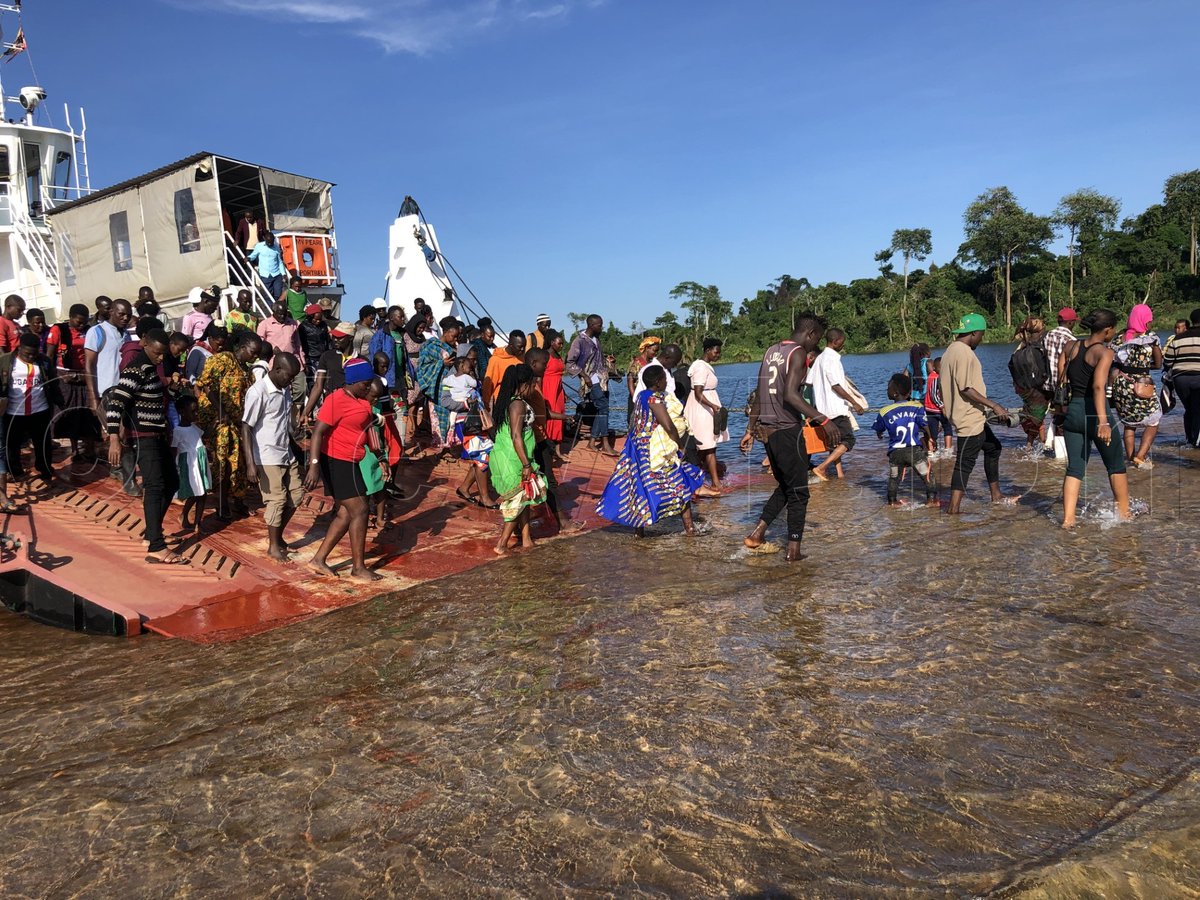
<point>243,275</point>
<point>35,245</point>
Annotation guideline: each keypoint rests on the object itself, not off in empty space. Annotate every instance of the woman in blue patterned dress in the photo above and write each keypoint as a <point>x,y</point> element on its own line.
<point>652,481</point>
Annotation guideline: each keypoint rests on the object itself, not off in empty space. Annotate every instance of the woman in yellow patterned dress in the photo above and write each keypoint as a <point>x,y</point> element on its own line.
<point>220,394</point>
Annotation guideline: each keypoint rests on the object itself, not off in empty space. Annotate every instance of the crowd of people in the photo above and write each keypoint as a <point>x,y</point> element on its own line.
<point>285,404</point>
<point>1093,389</point>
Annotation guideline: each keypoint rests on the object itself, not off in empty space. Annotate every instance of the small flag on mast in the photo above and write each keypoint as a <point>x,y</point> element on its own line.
<point>18,46</point>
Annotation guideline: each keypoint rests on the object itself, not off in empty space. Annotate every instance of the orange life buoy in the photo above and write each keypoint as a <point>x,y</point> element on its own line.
<point>308,254</point>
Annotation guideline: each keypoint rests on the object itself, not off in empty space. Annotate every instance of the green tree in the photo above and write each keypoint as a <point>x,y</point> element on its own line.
<point>1000,231</point>
<point>703,303</point>
<point>910,243</point>
<point>1182,196</point>
<point>1085,214</point>
<point>577,320</point>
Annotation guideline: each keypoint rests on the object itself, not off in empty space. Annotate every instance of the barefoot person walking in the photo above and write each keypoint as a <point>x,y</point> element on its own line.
<point>781,409</point>
<point>514,473</point>
<point>270,461</point>
<point>1085,366</point>
<point>339,442</point>
<point>965,396</point>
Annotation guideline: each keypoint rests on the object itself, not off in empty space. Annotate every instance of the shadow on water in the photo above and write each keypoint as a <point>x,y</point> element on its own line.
<point>925,706</point>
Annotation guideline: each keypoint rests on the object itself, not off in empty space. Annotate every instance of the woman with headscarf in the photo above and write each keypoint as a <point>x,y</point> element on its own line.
<point>514,474</point>
<point>651,480</point>
<point>1133,392</point>
<point>220,395</point>
<point>702,410</point>
<point>339,445</point>
<point>647,351</point>
<point>436,362</point>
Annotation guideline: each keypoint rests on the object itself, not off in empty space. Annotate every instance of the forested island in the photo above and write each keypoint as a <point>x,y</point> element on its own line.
<point>1003,269</point>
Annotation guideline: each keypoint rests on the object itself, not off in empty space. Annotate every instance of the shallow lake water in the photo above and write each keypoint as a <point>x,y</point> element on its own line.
<point>924,707</point>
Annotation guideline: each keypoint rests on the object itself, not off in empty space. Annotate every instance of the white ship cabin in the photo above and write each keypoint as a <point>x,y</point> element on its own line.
<point>40,168</point>
<point>173,229</point>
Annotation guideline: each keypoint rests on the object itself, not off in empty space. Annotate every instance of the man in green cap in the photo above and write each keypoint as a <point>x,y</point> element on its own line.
<point>966,402</point>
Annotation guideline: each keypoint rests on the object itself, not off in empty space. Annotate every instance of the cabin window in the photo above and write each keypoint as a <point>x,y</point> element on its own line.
<point>33,179</point>
<point>118,232</point>
<point>282,201</point>
<point>5,170</point>
<point>185,221</point>
<point>62,174</point>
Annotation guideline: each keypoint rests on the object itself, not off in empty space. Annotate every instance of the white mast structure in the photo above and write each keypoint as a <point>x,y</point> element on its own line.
<point>40,167</point>
<point>417,268</point>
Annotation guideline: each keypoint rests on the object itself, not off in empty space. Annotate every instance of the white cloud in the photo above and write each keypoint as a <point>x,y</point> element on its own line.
<point>409,26</point>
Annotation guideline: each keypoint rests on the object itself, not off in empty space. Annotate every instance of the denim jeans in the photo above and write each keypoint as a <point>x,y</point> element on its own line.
<point>274,285</point>
<point>599,398</point>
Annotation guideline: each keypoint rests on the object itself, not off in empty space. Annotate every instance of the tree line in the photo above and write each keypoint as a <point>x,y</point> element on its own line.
<point>1004,269</point>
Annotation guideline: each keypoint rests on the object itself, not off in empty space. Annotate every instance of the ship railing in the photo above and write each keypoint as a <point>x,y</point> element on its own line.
<point>33,239</point>
<point>243,274</point>
<point>54,195</point>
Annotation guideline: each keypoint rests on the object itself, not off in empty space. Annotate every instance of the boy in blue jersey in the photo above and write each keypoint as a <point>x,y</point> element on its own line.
<point>907,431</point>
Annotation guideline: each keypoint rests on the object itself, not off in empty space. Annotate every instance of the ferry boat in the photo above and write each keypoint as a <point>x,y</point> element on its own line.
<point>41,168</point>
<point>171,229</point>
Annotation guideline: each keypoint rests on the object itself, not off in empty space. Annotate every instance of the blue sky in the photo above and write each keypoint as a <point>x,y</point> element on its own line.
<point>588,155</point>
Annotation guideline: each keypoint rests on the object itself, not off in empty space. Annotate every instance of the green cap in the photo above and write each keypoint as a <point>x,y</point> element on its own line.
<point>970,322</point>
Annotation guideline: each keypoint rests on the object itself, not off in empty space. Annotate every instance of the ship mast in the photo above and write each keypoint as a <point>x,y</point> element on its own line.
<point>30,97</point>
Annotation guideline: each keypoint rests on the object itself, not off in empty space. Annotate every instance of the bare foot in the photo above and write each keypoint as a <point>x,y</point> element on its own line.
<point>528,545</point>
<point>365,574</point>
<point>707,492</point>
<point>817,473</point>
<point>898,503</point>
<point>753,542</point>
<point>279,554</point>
<point>797,557</point>
<point>500,550</point>
<point>1006,501</point>
<point>1069,525</point>
<point>934,504</point>
<point>322,568</point>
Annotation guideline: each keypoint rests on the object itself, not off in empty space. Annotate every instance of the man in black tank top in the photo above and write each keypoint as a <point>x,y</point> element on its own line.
<point>781,411</point>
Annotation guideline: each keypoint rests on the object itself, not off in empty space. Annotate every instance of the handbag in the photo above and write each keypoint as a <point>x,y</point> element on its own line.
<point>720,420</point>
<point>478,420</point>
<point>1143,388</point>
<point>534,487</point>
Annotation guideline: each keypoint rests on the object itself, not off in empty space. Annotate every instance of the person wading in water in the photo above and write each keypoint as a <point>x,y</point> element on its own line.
<point>781,409</point>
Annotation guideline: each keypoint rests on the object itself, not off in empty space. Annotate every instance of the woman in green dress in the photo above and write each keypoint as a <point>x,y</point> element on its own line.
<point>515,477</point>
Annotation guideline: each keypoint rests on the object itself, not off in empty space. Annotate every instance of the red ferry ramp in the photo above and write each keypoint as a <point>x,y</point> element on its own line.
<point>75,557</point>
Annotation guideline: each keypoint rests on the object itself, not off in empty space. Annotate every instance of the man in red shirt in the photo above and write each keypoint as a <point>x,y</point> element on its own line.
<point>10,331</point>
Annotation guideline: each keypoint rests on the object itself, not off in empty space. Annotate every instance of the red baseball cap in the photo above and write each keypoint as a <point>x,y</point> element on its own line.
<point>1066,314</point>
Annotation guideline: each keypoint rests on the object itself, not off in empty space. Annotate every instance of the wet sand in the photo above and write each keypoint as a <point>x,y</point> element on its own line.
<point>926,707</point>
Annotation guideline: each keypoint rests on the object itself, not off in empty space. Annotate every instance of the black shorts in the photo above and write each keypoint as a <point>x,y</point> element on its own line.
<point>845,432</point>
<point>343,480</point>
